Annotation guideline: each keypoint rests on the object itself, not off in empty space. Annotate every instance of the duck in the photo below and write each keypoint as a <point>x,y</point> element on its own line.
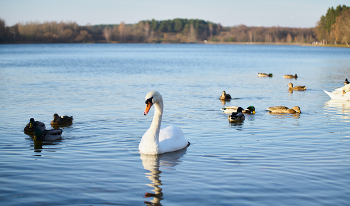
<point>296,88</point>
<point>230,109</point>
<point>284,110</point>
<point>47,135</point>
<point>290,76</point>
<point>225,96</point>
<point>156,140</point>
<point>341,93</point>
<point>265,75</point>
<point>236,116</point>
<point>32,125</point>
<point>346,81</point>
<point>61,120</point>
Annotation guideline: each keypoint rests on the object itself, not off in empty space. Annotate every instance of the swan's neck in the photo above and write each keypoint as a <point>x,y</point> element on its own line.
<point>157,120</point>
<point>150,141</point>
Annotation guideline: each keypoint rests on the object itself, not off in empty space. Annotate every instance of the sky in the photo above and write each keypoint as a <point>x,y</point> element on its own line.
<point>267,13</point>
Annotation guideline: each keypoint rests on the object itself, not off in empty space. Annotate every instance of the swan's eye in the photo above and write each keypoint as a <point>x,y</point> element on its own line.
<point>149,100</point>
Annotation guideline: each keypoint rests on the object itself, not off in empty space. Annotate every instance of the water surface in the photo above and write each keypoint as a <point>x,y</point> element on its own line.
<point>266,160</point>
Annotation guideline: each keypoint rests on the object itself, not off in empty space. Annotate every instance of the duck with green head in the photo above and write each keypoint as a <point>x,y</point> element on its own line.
<point>230,109</point>
<point>265,75</point>
<point>32,125</point>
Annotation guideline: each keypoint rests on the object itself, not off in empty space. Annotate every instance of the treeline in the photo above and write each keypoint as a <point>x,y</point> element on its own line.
<point>334,27</point>
<point>167,31</point>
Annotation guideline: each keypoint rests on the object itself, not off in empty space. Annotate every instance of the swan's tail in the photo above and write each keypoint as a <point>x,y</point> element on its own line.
<point>329,94</point>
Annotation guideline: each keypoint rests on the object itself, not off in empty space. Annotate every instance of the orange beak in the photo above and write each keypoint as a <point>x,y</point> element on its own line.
<point>148,107</point>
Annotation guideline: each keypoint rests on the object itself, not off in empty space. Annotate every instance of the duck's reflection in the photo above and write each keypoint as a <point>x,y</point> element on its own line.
<point>283,116</point>
<point>223,101</point>
<point>152,163</point>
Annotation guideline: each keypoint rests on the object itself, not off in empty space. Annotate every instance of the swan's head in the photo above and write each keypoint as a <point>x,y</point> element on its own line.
<point>150,99</point>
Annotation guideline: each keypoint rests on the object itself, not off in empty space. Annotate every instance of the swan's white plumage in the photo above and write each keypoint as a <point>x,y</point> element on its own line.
<point>338,94</point>
<point>156,140</point>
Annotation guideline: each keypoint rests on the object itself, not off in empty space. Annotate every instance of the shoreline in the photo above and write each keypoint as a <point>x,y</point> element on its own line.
<point>227,43</point>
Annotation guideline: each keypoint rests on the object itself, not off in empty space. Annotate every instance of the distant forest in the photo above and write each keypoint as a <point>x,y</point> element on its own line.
<point>176,31</point>
<point>334,27</point>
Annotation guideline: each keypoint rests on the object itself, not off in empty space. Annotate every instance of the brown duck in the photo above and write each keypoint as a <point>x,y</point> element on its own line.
<point>296,88</point>
<point>284,110</point>
<point>61,120</point>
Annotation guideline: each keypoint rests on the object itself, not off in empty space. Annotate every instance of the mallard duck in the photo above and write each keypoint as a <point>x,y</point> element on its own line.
<point>236,116</point>
<point>225,96</point>
<point>47,135</point>
<point>32,125</point>
<point>296,88</point>
<point>341,93</point>
<point>346,81</point>
<point>284,110</point>
<point>265,75</point>
<point>290,76</point>
<point>61,120</point>
<point>230,109</point>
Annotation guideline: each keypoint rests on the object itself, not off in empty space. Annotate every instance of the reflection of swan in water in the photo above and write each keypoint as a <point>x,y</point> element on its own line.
<point>153,164</point>
<point>343,106</point>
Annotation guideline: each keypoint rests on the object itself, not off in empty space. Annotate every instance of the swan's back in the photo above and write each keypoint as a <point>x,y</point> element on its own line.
<point>171,139</point>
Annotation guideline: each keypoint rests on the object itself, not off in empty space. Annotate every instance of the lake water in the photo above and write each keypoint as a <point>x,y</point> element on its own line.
<point>266,160</point>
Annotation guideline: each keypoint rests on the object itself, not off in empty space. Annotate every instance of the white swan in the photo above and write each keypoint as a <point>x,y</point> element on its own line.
<point>156,140</point>
<point>341,93</point>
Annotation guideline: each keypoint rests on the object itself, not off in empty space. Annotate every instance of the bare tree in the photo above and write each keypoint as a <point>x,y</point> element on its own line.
<point>107,33</point>
<point>289,38</point>
<point>146,28</point>
<point>121,30</point>
<point>341,28</point>
<point>211,29</point>
<point>192,34</point>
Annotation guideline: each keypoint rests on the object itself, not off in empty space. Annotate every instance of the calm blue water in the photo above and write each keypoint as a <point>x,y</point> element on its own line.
<point>266,160</point>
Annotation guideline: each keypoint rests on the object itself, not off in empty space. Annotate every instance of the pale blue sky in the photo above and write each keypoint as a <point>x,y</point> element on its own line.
<point>293,13</point>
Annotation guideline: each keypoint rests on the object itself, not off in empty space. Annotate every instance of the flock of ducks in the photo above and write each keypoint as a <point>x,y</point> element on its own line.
<point>37,130</point>
<point>236,113</point>
<point>156,140</point>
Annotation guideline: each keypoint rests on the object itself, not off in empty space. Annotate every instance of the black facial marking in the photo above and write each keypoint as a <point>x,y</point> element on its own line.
<point>149,100</point>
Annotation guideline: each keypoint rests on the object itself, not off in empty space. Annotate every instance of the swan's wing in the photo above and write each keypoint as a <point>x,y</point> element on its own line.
<point>339,96</point>
<point>329,94</point>
<point>172,139</point>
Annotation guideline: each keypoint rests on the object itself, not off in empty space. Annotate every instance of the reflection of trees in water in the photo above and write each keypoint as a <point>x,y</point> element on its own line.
<point>152,163</point>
